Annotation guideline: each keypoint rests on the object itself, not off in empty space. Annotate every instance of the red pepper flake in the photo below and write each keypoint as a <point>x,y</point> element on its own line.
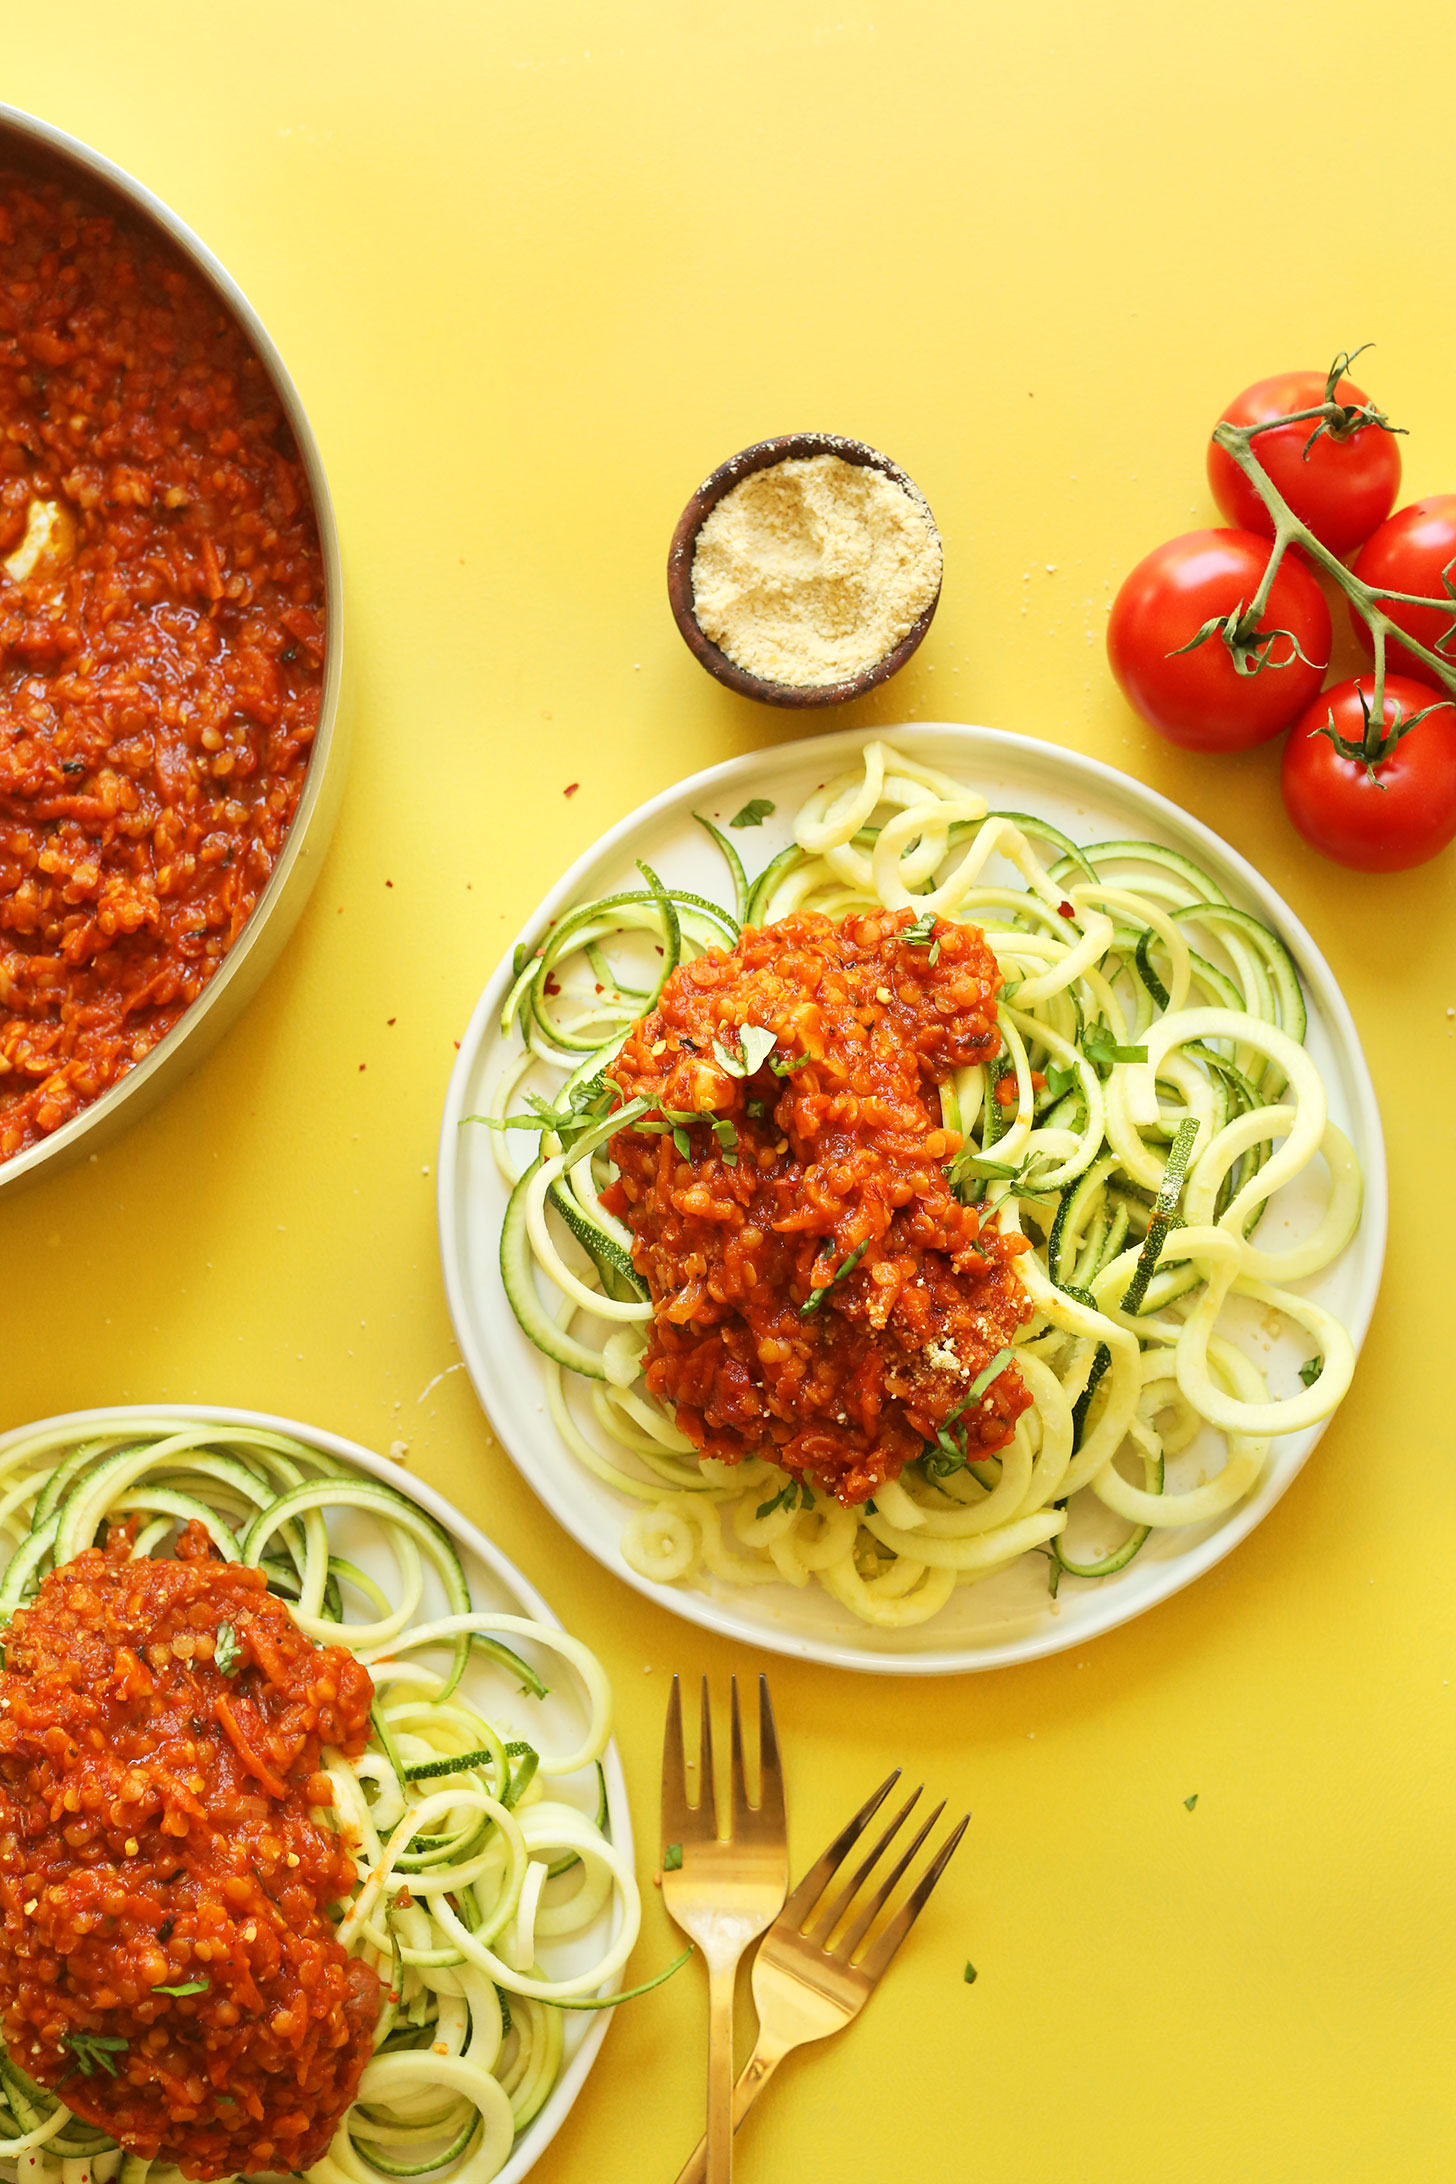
<point>362,1067</point>
<point>1065,910</point>
<point>389,883</point>
<point>552,987</point>
<point>571,788</point>
<point>390,1019</point>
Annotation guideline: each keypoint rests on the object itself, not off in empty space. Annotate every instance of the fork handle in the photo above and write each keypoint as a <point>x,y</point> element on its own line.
<point>754,2076</point>
<point>719,2139</point>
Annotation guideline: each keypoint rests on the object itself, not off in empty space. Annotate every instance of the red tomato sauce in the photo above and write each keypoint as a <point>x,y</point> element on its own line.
<point>846,1151</point>
<point>156,1830</point>
<point>161,645</point>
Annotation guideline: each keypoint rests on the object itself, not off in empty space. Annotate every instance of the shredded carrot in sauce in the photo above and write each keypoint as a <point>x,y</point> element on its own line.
<point>820,1294</point>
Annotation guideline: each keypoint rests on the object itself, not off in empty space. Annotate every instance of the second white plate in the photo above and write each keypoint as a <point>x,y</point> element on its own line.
<point>1009,1617</point>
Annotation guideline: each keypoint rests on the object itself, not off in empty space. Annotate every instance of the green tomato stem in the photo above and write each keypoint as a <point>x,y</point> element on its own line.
<point>1237,441</point>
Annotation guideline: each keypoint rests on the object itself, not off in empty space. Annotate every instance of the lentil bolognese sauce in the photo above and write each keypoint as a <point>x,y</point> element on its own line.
<point>818,1288</point>
<point>168,1966</point>
<point>161,645</point>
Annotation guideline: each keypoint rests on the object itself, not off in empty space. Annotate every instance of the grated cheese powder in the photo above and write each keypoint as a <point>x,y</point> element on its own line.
<point>809,572</point>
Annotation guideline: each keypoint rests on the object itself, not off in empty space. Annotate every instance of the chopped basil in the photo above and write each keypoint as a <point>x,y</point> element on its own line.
<point>753,814</point>
<point>1310,1370</point>
<point>946,1454</point>
<point>970,1171</point>
<point>845,1267</point>
<point>1190,1802</point>
<point>727,1136</point>
<point>783,1066</point>
<point>227,1653</point>
<point>970,1975</point>
<point>94,2051</point>
<point>190,1986</point>
<point>1104,1052</point>
<point>683,1143</point>
<point>672,1858</point>
<point>1061,1078</point>
<point>755,1044</point>
<point>796,1495</point>
<point>758,1109</point>
<point>922,932</point>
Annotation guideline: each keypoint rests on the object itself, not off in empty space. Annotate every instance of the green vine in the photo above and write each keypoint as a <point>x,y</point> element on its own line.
<point>1252,648</point>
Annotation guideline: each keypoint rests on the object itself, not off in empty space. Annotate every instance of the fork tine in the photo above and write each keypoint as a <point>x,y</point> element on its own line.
<point>878,1955</point>
<point>825,1924</point>
<point>815,1881</point>
<point>881,1896</point>
<point>770,1765</point>
<point>741,1814</point>
<point>677,1816</point>
<point>707,1786</point>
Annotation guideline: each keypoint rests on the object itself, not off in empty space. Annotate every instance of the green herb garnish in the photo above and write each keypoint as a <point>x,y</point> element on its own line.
<point>1310,1370</point>
<point>755,1044</point>
<point>939,1458</point>
<point>94,2051</point>
<point>227,1653</point>
<point>753,814</point>
<point>845,1267</point>
<point>727,1136</point>
<point>785,1066</point>
<point>970,1975</point>
<point>796,1495</point>
<point>1103,1051</point>
<point>1190,1802</point>
<point>190,1986</point>
<point>971,1169</point>
<point>672,1858</point>
<point>922,935</point>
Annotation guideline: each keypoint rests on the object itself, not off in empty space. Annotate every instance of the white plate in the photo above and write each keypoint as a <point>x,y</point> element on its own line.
<point>1009,1617</point>
<point>497,1587</point>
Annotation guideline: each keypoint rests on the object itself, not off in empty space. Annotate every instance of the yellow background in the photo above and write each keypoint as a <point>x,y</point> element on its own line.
<point>537,266</point>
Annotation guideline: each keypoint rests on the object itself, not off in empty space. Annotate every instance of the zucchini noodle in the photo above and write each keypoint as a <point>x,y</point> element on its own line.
<point>472,1858</point>
<point>1151,1095</point>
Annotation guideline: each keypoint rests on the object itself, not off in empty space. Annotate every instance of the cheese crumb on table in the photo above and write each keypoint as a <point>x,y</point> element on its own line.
<point>809,572</point>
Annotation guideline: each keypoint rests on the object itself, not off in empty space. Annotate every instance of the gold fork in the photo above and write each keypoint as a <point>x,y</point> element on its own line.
<point>802,1988</point>
<point>722,1894</point>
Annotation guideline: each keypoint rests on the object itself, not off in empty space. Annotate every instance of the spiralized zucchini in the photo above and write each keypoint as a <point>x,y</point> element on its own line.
<point>474,1856</point>
<point>1159,1094</point>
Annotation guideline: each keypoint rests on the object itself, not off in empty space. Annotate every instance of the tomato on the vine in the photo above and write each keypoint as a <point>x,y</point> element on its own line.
<point>1411,553</point>
<point>1379,796</point>
<point>1341,484</point>
<point>1200,697</point>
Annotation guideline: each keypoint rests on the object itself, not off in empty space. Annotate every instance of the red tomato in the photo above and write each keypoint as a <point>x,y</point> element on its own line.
<point>1409,554</point>
<point>1199,698</point>
<point>1387,816</point>
<point>1342,489</point>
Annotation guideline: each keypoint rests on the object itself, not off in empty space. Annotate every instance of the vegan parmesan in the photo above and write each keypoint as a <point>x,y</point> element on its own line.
<point>811,571</point>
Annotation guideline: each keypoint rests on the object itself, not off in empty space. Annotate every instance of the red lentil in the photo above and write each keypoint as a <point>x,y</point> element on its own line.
<point>156,1829</point>
<point>161,658</point>
<point>846,1151</point>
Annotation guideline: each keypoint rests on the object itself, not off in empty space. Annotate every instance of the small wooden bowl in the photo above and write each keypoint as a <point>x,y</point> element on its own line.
<point>762,456</point>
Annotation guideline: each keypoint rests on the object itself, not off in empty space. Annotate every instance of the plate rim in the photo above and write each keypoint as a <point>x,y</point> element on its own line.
<point>1096,773</point>
<point>543,2127</point>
